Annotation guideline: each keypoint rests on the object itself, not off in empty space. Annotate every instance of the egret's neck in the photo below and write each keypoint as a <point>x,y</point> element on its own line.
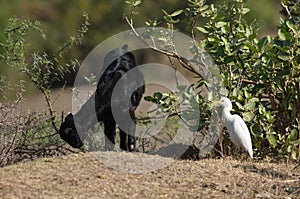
<point>226,115</point>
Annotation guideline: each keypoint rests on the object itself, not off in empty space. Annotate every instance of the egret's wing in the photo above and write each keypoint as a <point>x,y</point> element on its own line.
<point>243,133</point>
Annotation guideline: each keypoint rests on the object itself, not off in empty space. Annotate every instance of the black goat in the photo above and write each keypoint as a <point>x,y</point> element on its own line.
<point>116,63</point>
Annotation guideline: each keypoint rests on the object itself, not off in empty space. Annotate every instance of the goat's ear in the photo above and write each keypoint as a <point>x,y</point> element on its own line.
<point>69,117</point>
<point>62,117</point>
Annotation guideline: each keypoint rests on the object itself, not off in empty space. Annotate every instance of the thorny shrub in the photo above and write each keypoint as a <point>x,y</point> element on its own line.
<point>31,135</point>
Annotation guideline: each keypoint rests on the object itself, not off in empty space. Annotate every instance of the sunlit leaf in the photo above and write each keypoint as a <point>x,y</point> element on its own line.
<point>248,116</point>
<point>272,140</point>
<point>201,29</point>
<point>220,24</point>
<point>281,34</point>
<point>291,26</point>
<point>176,13</point>
<point>245,11</point>
<point>136,3</point>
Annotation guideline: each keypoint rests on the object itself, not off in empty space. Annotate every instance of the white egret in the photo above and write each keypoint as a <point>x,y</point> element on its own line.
<point>237,128</point>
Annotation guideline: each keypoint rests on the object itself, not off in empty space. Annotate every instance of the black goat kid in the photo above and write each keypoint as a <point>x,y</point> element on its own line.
<point>102,103</point>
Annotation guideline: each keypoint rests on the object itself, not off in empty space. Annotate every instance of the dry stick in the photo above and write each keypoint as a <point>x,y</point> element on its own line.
<point>47,98</point>
<point>175,69</point>
<point>230,80</point>
<point>13,140</point>
<point>156,117</point>
<point>298,115</point>
<point>193,24</point>
<point>61,90</point>
<point>50,108</point>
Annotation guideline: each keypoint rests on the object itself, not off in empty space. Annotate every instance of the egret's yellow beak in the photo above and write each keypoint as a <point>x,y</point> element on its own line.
<point>216,103</point>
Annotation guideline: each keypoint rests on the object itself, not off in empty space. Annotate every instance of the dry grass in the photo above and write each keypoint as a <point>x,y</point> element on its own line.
<point>83,176</point>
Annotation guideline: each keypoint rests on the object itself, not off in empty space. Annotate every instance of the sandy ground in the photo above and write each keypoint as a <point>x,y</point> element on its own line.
<point>84,176</point>
<point>112,174</point>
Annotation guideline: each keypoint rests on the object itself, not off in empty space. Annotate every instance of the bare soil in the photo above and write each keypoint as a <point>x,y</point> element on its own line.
<point>84,176</point>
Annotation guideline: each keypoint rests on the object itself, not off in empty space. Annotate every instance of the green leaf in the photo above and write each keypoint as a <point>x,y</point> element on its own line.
<point>136,3</point>
<point>292,136</point>
<point>294,154</point>
<point>239,105</point>
<point>201,83</point>
<point>262,42</point>
<point>176,13</point>
<point>285,71</point>
<point>272,140</point>
<point>223,91</point>
<point>255,128</point>
<point>295,143</point>
<point>201,29</point>
<point>281,34</point>
<point>157,95</point>
<point>220,24</point>
<point>248,116</point>
<point>245,11</point>
<point>247,94</point>
<point>291,26</point>
<point>165,12</point>
<point>284,57</point>
<point>226,44</point>
<point>149,99</point>
<point>203,8</point>
<point>251,104</point>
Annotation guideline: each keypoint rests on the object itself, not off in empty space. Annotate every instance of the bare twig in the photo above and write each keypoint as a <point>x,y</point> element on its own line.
<point>183,61</point>
<point>175,69</point>
<point>47,97</point>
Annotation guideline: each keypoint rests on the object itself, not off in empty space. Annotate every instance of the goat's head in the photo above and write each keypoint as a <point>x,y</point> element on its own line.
<point>68,132</point>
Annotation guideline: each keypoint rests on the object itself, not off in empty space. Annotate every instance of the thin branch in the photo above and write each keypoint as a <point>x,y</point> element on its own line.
<point>175,69</point>
<point>50,109</point>
<point>286,8</point>
<point>156,117</point>
<point>183,61</point>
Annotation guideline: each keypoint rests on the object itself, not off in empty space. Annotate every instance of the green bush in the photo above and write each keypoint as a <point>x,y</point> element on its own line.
<point>261,75</point>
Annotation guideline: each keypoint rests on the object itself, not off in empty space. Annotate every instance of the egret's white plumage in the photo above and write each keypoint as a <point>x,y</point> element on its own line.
<point>237,128</point>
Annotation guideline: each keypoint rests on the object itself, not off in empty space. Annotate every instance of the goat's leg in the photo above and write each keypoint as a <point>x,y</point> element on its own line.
<point>110,133</point>
<point>127,139</point>
<point>131,142</point>
<point>123,140</point>
<point>131,134</point>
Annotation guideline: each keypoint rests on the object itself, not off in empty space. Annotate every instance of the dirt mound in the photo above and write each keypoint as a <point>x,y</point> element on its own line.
<point>88,175</point>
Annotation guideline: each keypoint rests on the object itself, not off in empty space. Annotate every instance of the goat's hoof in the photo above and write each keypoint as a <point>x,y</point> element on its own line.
<point>131,147</point>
